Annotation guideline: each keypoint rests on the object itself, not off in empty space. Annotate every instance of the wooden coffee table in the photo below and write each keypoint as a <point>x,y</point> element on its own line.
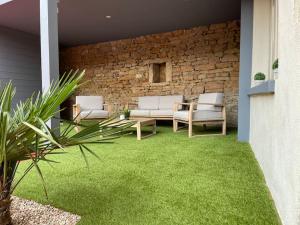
<point>144,122</point>
<point>139,124</point>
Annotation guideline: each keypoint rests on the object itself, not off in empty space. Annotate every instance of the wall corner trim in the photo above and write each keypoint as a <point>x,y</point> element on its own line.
<point>245,70</point>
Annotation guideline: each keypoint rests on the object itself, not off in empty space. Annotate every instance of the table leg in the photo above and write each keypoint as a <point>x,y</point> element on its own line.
<point>154,128</point>
<point>139,131</point>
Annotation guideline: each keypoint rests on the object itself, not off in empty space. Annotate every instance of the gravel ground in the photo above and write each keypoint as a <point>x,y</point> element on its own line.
<point>25,212</point>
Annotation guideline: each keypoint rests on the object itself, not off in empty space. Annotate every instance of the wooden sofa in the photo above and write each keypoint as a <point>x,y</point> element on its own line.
<point>157,107</point>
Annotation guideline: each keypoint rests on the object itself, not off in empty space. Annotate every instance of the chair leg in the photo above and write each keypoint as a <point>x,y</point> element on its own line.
<point>77,120</point>
<point>175,125</point>
<point>224,128</point>
<point>190,129</point>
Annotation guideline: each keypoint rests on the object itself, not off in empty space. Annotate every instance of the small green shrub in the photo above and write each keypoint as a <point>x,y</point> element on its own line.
<point>259,76</point>
<point>275,65</point>
<point>126,113</point>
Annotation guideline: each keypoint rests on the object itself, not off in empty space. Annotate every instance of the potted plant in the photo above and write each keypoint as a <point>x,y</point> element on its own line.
<point>125,114</point>
<point>275,69</point>
<point>259,78</point>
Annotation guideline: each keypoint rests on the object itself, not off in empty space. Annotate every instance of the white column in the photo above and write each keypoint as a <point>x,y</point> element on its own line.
<point>49,45</point>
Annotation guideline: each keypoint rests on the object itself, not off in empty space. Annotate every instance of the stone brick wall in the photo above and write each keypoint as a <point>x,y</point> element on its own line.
<point>202,59</point>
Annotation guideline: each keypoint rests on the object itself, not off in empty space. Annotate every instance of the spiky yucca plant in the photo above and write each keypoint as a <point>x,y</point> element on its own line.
<point>25,135</point>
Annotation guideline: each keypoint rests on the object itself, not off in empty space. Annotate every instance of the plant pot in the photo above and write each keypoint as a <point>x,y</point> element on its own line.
<point>258,82</point>
<point>275,74</point>
<point>127,115</point>
<point>122,117</point>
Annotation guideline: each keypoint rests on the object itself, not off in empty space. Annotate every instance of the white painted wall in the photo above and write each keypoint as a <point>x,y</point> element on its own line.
<point>20,61</point>
<point>261,60</point>
<point>275,120</point>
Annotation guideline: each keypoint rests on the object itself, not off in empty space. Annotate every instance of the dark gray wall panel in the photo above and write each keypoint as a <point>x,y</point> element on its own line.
<point>20,62</point>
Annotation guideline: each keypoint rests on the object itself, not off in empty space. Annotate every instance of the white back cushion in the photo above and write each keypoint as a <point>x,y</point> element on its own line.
<point>90,102</point>
<point>148,102</point>
<point>210,99</point>
<point>167,102</point>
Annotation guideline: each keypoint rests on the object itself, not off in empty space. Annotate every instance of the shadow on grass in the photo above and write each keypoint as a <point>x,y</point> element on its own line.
<point>126,198</point>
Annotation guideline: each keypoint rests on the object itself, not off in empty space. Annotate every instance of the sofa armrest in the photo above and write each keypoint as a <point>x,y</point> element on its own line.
<point>111,107</point>
<point>189,105</point>
<point>108,107</point>
<point>217,105</point>
<point>194,99</point>
<point>128,104</point>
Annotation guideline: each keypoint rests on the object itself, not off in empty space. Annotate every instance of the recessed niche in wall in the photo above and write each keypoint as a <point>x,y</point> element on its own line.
<point>160,72</point>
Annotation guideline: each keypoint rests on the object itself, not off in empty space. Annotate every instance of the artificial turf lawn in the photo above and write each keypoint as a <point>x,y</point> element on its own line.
<point>167,179</point>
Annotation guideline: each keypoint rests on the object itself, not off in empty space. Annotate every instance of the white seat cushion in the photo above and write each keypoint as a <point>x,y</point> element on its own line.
<point>90,102</point>
<point>161,113</point>
<point>167,102</point>
<point>94,114</point>
<point>148,102</point>
<point>211,99</point>
<point>140,113</point>
<point>199,115</point>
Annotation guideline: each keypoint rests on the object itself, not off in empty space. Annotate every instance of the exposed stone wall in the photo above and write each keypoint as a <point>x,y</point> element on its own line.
<point>203,59</point>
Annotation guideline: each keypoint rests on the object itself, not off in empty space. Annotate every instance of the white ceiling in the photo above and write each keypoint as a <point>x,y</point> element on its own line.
<point>84,21</point>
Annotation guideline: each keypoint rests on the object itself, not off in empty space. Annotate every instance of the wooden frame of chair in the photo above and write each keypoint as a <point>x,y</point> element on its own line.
<point>190,122</point>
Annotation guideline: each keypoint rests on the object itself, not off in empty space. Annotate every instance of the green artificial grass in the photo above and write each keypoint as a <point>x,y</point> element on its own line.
<point>166,179</point>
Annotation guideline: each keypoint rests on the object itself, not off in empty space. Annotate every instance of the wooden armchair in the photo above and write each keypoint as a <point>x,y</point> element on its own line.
<point>155,107</point>
<point>91,107</point>
<point>210,109</point>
